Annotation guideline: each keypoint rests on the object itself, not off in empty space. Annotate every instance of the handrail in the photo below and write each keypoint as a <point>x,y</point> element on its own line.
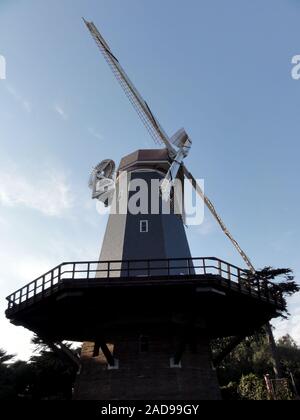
<point>171,267</point>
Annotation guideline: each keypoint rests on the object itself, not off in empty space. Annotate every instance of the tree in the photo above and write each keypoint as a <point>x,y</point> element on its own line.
<point>54,374</point>
<point>45,376</point>
<point>7,391</point>
<point>278,280</point>
<point>285,286</point>
<point>253,357</point>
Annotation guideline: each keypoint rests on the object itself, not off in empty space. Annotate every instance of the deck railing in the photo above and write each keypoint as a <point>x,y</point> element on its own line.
<point>137,269</point>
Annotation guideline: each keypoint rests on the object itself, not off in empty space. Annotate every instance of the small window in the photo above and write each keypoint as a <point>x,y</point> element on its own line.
<point>144,344</point>
<point>144,226</point>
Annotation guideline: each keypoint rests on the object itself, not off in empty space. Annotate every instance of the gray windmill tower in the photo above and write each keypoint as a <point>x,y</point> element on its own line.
<point>146,311</point>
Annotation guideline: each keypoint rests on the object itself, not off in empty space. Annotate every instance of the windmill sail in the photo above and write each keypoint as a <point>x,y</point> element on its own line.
<point>213,211</point>
<point>141,106</point>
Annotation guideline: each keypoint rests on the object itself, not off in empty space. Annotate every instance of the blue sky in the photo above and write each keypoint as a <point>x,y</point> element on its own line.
<point>220,69</point>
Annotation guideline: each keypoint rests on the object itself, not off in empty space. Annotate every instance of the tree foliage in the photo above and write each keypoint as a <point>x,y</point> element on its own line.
<point>279,280</point>
<point>46,376</point>
<point>252,387</point>
<point>245,367</point>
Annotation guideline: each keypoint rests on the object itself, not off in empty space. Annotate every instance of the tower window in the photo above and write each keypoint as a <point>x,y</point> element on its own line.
<point>144,226</point>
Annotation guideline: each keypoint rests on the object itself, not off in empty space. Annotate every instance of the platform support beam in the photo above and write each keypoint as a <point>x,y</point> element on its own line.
<point>109,357</point>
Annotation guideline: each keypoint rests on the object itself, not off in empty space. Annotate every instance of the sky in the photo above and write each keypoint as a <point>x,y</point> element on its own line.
<point>220,69</point>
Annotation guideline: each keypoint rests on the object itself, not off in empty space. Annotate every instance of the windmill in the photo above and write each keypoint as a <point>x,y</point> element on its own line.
<point>178,146</point>
<point>146,310</point>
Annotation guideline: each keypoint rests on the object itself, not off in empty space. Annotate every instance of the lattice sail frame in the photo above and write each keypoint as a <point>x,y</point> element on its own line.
<point>152,125</point>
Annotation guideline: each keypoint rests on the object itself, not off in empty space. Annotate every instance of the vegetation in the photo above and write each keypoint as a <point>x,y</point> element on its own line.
<point>242,373</point>
<point>46,376</point>
<point>282,280</point>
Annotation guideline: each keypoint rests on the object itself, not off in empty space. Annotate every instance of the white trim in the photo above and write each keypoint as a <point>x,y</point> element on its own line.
<point>174,365</point>
<point>115,367</point>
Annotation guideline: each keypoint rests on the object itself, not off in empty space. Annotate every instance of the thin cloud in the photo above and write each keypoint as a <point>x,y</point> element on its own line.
<point>61,112</point>
<point>26,105</point>
<point>49,193</point>
<point>95,134</point>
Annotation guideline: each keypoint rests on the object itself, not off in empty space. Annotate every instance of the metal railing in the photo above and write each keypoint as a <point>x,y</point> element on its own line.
<point>147,269</point>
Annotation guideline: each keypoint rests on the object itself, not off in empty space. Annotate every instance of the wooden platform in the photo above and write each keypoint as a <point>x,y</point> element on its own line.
<point>72,303</point>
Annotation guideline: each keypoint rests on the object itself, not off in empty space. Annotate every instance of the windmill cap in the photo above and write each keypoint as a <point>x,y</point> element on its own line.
<point>146,158</point>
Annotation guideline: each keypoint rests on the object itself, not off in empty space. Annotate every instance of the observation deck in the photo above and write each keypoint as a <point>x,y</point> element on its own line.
<point>76,300</point>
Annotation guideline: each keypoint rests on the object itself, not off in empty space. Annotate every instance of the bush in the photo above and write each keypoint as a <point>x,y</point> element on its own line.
<point>252,387</point>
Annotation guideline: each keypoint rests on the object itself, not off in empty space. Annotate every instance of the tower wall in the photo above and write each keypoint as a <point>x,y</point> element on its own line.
<point>166,237</point>
<point>147,375</point>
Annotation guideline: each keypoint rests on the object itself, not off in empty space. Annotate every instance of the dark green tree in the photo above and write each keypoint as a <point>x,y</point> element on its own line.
<point>7,390</point>
<point>54,374</point>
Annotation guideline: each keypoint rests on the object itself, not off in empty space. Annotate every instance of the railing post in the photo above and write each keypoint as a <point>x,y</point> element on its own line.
<point>43,285</point>
<point>220,268</point>
<point>239,279</point>
<point>52,279</point>
<point>204,266</point>
<point>35,287</point>
<point>228,272</point>
<point>59,275</point>
<point>249,288</point>
<point>108,270</point>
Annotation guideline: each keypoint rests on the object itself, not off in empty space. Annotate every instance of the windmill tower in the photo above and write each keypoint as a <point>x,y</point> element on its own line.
<point>147,310</point>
